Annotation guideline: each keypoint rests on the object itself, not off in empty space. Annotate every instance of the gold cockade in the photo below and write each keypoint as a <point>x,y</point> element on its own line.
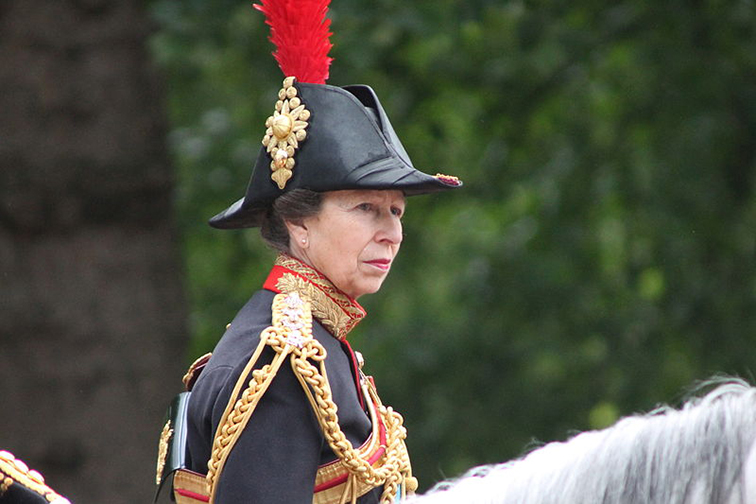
<point>285,129</point>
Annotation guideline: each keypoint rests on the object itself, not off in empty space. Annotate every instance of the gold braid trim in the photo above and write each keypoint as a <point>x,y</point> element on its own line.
<point>13,470</point>
<point>393,470</point>
<point>291,334</point>
<point>291,331</point>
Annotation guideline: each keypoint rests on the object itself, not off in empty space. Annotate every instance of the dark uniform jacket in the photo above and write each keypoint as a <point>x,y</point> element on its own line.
<point>278,453</point>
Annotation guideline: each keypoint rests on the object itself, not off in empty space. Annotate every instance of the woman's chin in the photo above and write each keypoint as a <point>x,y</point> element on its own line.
<point>368,287</point>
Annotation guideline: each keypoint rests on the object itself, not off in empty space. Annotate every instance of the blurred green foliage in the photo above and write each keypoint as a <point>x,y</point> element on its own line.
<point>602,254</point>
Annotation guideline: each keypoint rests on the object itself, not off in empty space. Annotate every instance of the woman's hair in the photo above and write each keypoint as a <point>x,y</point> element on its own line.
<point>293,206</point>
<point>695,454</point>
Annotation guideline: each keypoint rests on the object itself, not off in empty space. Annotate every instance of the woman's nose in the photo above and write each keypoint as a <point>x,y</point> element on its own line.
<point>391,229</point>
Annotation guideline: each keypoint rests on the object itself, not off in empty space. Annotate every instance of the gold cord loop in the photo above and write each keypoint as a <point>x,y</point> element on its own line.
<point>290,335</point>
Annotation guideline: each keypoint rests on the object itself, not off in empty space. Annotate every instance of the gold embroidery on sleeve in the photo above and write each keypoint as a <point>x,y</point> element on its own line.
<point>165,439</point>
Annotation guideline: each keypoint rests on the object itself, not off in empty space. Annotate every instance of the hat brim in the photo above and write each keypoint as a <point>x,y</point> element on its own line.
<point>380,175</point>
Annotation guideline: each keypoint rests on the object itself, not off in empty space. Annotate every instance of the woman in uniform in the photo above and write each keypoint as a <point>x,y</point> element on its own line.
<point>282,413</point>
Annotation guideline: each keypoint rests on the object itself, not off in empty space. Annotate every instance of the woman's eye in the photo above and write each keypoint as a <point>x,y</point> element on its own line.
<point>366,207</point>
<point>397,212</point>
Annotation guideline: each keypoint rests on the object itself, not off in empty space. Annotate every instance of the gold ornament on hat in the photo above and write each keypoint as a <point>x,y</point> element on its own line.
<point>286,128</point>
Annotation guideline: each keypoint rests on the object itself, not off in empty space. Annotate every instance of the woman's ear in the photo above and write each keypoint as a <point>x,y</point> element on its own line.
<point>298,235</point>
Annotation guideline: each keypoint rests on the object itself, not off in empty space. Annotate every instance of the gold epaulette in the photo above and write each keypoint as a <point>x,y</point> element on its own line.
<point>15,472</point>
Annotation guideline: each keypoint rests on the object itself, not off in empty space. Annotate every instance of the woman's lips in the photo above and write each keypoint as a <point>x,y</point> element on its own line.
<point>381,264</point>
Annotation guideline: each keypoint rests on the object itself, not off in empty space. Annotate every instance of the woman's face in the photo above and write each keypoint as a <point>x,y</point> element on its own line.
<point>353,239</point>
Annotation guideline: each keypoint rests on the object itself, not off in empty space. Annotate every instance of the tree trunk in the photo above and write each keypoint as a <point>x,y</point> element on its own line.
<point>92,315</point>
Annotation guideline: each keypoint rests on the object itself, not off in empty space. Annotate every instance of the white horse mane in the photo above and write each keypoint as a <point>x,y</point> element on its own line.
<point>695,454</point>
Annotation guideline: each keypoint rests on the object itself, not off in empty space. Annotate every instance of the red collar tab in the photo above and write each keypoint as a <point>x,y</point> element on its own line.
<point>335,310</point>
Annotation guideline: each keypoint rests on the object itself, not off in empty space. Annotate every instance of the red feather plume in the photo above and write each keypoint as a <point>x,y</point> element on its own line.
<point>300,31</point>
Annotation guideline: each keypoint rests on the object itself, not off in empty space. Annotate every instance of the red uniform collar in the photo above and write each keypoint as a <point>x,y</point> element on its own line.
<point>335,310</point>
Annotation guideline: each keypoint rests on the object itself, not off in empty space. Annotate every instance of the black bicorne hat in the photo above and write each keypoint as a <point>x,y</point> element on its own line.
<point>326,138</point>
